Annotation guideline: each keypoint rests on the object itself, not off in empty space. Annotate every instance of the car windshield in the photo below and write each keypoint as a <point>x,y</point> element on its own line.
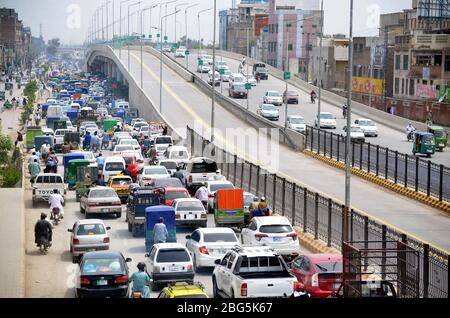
<point>439,134</point>
<point>268,107</point>
<point>129,142</point>
<point>172,255</point>
<point>168,182</point>
<point>291,93</point>
<point>91,229</point>
<point>261,69</point>
<point>274,94</point>
<point>121,182</point>
<point>261,264</point>
<point>155,170</point>
<point>171,195</point>
<point>356,130</point>
<point>129,160</point>
<point>215,187</point>
<point>204,167</point>
<point>365,123</point>
<point>239,79</point>
<point>329,267</point>
<point>123,147</point>
<point>101,265</point>
<point>114,166</point>
<point>190,206</point>
<point>326,116</point>
<point>168,164</point>
<point>297,120</point>
<point>219,237</point>
<point>182,154</point>
<point>145,128</point>
<point>102,193</point>
<point>276,228</point>
<point>163,140</point>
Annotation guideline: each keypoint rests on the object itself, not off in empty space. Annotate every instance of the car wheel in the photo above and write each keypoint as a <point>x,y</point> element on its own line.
<point>194,264</point>
<point>83,211</point>
<point>215,288</point>
<point>130,227</point>
<point>119,215</point>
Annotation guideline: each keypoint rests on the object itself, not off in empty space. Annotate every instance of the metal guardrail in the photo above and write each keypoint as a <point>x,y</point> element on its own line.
<point>319,215</point>
<point>407,170</point>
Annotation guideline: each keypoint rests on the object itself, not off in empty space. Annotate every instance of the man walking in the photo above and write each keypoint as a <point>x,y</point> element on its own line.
<point>160,232</point>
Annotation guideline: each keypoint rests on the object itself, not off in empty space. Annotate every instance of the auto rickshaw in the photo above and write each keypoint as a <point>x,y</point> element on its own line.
<point>32,132</point>
<point>40,140</point>
<point>67,158</point>
<point>120,184</point>
<point>72,171</point>
<point>81,186</point>
<point>109,125</point>
<point>139,199</point>
<point>229,207</point>
<point>424,144</point>
<point>9,86</point>
<point>440,136</point>
<point>152,215</point>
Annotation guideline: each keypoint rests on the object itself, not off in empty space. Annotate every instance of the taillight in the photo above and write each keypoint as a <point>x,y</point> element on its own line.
<point>177,216</point>
<point>189,267</point>
<point>210,195</point>
<point>92,204</point>
<point>298,286</point>
<point>244,289</point>
<point>76,241</point>
<point>315,280</point>
<point>121,280</point>
<point>84,281</point>
<point>106,240</point>
<point>146,178</point>
<point>116,203</point>
<point>203,250</point>
<point>190,179</point>
<point>293,235</point>
<point>259,236</point>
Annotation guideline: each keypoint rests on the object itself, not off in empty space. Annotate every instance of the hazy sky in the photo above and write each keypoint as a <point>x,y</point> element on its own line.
<point>69,19</point>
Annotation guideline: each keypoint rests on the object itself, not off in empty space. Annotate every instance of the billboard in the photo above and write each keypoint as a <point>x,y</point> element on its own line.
<point>433,10</point>
<point>426,91</point>
<point>363,85</point>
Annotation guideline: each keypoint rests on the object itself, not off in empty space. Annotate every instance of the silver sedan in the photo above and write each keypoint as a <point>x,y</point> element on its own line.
<point>100,200</point>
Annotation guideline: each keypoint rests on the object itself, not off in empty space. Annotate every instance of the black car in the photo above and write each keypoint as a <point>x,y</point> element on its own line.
<point>103,274</point>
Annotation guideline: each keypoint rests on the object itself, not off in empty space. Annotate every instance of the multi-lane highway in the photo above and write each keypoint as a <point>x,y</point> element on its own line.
<point>185,104</point>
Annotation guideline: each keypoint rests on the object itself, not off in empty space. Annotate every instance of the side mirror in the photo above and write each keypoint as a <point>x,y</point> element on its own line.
<point>108,228</point>
<point>147,254</point>
<point>70,230</point>
<point>128,260</point>
<point>188,237</point>
<point>217,262</point>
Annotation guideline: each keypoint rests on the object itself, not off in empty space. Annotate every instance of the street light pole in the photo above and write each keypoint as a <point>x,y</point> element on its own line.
<point>214,74</point>
<point>319,103</point>
<point>165,24</point>
<point>150,20</point>
<point>186,29</point>
<point>120,26</point>
<point>286,67</point>
<point>175,19</point>
<point>129,6</point>
<point>198,16</point>
<point>161,59</point>
<point>347,139</point>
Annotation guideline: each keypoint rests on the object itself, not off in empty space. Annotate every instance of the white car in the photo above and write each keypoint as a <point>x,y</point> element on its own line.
<point>113,165</point>
<point>179,154</point>
<point>150,173</point>
<point>327,120</point>
<point>212,187</point>
<point>206,245</point>
<point>44,185</point>
<point>216,78</point>
<point>269,111</point>
<point>88,235</point>
<point>250,78</point>
<point>368,127</point>
<point>189,211</point>
<point>136,127</point>
<point>118,149</point>
<point>168,263</point>
<point>225,77</point>
<point>162,143</point>
<point>89,155</point>
<point>59,136</point>
<point>171,165</point>
<point>221,65</point>
<point>136,120</point>
<point>356,134</point>
<point>91,128</point>
<point>132,142</point>
<point>180,53</point>
<point>274,231</point>
<point>70,126</point>
<point>204,68</point>
<point>296,123</point>
<point>102,200</point>
<point>273,97</point>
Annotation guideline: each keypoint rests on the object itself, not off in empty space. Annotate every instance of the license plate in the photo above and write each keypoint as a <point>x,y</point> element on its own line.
<point>174,268</point>
<point>102,282</point>
<point>45,192</point>
<point>277,239</point>
<point>105,210</point>
<point>190,216</point>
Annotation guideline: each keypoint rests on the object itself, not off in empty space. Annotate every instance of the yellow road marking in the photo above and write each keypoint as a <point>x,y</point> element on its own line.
<point>186,107</point>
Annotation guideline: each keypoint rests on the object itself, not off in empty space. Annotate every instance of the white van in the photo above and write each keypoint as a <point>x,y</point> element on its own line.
<point>237,78</point>
<point>55,111</point>
<point>122,105</point>
<point>113,166</point>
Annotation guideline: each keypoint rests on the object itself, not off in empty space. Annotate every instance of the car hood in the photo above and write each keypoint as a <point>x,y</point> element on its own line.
<point>369,128</point>
<point>270,112</point>
<point>298,126</point>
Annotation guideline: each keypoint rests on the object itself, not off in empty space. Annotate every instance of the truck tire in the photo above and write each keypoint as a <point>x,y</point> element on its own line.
<point>216,293</point>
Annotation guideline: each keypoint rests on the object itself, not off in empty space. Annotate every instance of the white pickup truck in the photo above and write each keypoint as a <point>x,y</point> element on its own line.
<point>59,136</point>
<point>45,184</point>
<point>253,272</point>
<point>199,170</point>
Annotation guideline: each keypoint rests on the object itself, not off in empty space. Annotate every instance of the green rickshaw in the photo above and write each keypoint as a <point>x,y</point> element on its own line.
<point>440,136</point>
<point>73,166</point>
<point>109,125</point>
<point>32,131</point>
<point>81,186</point>
<point>424,144</point>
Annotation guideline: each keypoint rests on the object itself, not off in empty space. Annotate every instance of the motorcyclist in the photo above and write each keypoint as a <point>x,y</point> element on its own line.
<point>56,201</point>
<point>43,231</point>
<point>152,154</point>
<point>105,141</point>
<point>87,141</point>
<point>95,141</point>
<point>313,96</point>
<point>141,281</point>
<point>262,209</point>
<point>410,129</point>
<point>219,176</point>
<point>344,110</point>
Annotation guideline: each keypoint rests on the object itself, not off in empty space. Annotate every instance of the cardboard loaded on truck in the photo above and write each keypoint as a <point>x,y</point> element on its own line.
<point>229,207</point>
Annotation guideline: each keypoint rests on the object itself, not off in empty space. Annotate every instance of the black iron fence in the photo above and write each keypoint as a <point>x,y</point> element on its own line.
<point>407,170</point>
<point>319,215</point>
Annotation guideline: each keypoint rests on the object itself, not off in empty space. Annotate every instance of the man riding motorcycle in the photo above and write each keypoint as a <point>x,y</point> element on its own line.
<point>56,201</point>
<point>141,281</point>
<point>410,129</point>
<point>313,97</point>
<point>344,110</point>
<point>43,231</point>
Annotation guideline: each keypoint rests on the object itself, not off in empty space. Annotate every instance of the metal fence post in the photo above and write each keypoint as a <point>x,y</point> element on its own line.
<point>318,141</point>
<point>366,240</point>
<point>338,147</point>
<point>283,199</point>
<point>331,145</point>
<point>360,156</point>
<point>426,269</point>
<point>353,154</point>
<point>228,169</point>
<point>378,160</point>
<point>250,178</point>
<point>316,216</point>
<point>258,172</point>
<point>368,157</point>
<point>305,209</point>
<point>234,169</point>
<point>406,170</point>
<point>441,181</point>
<point>401,264</point>
<point>396,167</point>
<point>343,223</point>
<point>417,175</point>
<point>265,185</point>
<point>312,138</point>
<point>192,141</point>
<point>330,204</point>
<point>274,197</point>
<point>351,225</point>
<point>293,203</point>
<point>325,144</point>
<point>386,167</point>
<point>428,177</point>
<point>383,253</point>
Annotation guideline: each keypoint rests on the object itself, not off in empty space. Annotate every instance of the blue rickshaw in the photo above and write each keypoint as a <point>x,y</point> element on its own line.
<point>67,158</point>
<point>152,215</point>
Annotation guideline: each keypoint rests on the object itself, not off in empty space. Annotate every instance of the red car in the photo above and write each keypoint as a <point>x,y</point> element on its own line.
<point>133,164</point>
<point>175,193</point>
<point>291,97</point>
<point>320,273</point>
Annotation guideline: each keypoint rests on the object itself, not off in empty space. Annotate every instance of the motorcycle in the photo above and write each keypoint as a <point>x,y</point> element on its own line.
<point>344,112</point>
<point>313,99</point>
<point>56,216</point>
<point>44,245</point>
<point>410,135</point>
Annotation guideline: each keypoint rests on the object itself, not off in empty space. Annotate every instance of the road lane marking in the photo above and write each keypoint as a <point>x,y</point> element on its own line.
<point>248,157</point>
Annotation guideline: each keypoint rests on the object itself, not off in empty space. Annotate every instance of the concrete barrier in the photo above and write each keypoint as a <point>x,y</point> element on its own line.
<point>137,97</point>
<point>392,121</point>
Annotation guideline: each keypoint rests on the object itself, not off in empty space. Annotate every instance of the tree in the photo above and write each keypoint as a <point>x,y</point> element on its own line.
<point>52,46</point>
<point>6,145</point>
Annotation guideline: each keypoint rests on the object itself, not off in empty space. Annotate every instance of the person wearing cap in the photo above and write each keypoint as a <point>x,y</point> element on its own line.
<point>218,176</point>
<point>141,281</point>
<point>43,230</point>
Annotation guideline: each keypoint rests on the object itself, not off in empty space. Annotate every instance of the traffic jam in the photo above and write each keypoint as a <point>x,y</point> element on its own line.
<point>93,151</point>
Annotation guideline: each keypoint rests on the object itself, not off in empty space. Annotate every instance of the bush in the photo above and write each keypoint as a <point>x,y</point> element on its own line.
<point>6,145</point>
<point>11,176</point>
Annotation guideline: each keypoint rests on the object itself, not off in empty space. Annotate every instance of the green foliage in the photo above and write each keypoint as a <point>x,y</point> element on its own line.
<point>6,145</point>
<point>11,175</point>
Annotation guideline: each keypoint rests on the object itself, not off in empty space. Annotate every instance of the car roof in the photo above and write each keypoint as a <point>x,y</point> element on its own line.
<point>212,182</point>
<point>325,257</point>
<point>296,116</point>
<point>326,113</point>
<point>187,200</point>
<point>368,119</point>
<point>215,230</point>
<point>255,251</point>
<point>90,221</point>
<point>49,174</point>
<point>177,148</point>
<point>201,159</point>
<point>114,159</point>
<point>267,220</point>
<point>102,254</point>
<point>169,245</point>
<point>175,189</point>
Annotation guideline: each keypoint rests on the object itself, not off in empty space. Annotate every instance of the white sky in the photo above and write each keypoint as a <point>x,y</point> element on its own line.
<point>69,19</point>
